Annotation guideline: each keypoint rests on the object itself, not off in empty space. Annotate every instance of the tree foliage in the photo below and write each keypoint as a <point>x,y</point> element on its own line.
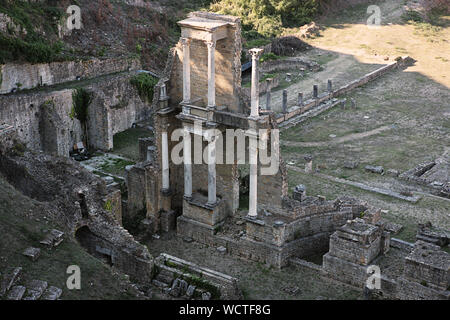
<point>269,17</point>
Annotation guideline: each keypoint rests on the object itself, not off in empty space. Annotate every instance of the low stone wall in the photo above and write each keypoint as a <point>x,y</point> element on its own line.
<point>288,64</point>
<point>321,102</point>
<point>27,76</point>
<point>225,284</point>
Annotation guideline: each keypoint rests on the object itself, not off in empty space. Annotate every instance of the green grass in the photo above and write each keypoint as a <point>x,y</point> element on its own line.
<point>126,143</point>
<point>115,165</point>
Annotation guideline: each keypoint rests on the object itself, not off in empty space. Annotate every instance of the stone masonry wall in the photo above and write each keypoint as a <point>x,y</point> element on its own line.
<point>46,74</point>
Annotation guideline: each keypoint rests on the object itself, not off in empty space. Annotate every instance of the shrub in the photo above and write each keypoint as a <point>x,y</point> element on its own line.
<point>269,56</point>
<point>81,101</point>
<point>268,17</point>
<point>144,83</point>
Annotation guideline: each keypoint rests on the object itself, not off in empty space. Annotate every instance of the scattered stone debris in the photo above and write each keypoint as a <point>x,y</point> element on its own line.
<point>392,227</point>
<point>32,253</point>
<point>206,296</point>
<point>427,233</point>
<point>188,239</point>
<point>53,238</point>
<point>9,280</point>
<point>52,293</point>
<point>222,250</point>
<point>393,172</point>
<point>35,289</point>
<point>374,169</point>
<point>351,164</point>
<point>292,290</point>
<point>190,291</point>
<point>16,293</point>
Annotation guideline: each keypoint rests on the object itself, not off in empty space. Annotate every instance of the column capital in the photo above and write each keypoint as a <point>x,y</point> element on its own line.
<point>255,52</point>
<point>211,44</point>
<point>186,41</point>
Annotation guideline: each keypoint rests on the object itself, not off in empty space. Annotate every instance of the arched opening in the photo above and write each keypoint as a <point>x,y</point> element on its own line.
<point>93,245</point>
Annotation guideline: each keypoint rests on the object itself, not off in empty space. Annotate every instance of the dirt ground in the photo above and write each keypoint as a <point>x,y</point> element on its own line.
<point>402,119</point>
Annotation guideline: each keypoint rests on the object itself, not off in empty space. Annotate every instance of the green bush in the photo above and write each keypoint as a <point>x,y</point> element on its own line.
<point>81,101</point>
<point>144,83</point>
<point>34,51</point>
<point>268,17</point>
<point>269,56</point>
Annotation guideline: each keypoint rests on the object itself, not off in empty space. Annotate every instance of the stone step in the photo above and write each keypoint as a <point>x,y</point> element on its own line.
<point>16,293</point>
<point>35,289</point>
<point>52,293</point>
<point>9,280</point>
<point>159,284</point>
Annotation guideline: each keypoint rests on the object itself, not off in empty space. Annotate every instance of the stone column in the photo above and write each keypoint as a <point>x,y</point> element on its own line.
<point>165,160</point>
<point>330,86</point>
<point>211,74</point>
<point>315,91</point>
<point>187,159</point>
<point>285,93</point>
<point>185,42</point>
<point>256,53</point>
<point>268,97</point>
<point>212,198</point>
<point>253,188</point>
<point>300,99</point>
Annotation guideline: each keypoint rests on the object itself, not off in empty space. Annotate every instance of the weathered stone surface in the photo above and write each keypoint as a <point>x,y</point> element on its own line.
<point>32,253</point>
<point>190,291</point>
<point>52,293</point>
<point>374,169</point>
<point>53,238</point>
<point>16,293</point>
<point>9,280</point>
<point>351,164</point>
<point>35,289</point>
<point>206,296</point>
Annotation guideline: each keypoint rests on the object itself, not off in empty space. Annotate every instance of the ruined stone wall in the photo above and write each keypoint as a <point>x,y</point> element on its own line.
<point>115,107</point>
<point>24,112</point>
<point>46,74</point>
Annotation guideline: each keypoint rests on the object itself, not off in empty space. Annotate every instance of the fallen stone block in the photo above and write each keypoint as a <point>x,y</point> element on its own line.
<point>52,293</point>
<point>53,238</point>
<point>351,164</point>
<point>206,296</point>
<point>16,293</point>
<point>375,169</point>
<point>32,253</point>
<point>9,280</point>
<point>159,284</point>
<point>35,289</point>
<point>222,250</point>
<point>393,172</point>
<point>190,291</point>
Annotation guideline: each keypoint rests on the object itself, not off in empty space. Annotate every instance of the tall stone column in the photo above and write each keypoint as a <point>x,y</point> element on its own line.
<point>185,42</point>
<point>165,160</point>
<point>253,188</point>
<point>212,198</point>
<point>256,53</point>
<point>211,73</point>
<point>187,159</point>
